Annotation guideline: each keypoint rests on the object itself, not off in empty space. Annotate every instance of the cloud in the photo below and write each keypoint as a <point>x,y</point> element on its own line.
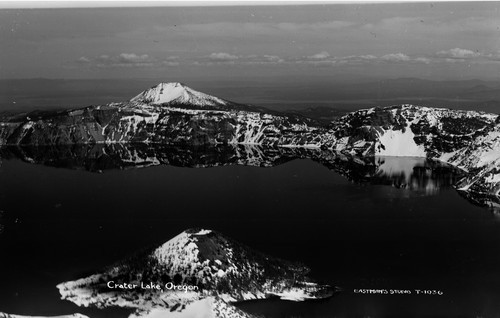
<point>314,27</point>
<point>458,53</point>
<point>124,60</point>
<point>422,60</point>
<point>226,58</point>
<point>324,58</point>
<point>319,56</point>
<point>357,59</point>
<point>119,60</point>
<point>170,63</point>
<point>129,60</point>
<point>145,60</point>
<point>133,58</point>
<point>494,57</point>
<point>83,60</point>
<point>395,57</point>
<point>273,58</point>
<point>173,60</point>
<point>223,57</point>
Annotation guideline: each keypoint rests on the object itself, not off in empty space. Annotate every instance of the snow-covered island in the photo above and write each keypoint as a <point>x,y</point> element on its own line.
<point>222,270</point>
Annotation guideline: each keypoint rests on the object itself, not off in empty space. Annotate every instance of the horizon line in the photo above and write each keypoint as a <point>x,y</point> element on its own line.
<point>370,79</point>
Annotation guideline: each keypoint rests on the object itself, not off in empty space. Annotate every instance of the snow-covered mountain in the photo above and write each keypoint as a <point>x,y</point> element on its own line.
<point>169,113</point>
<point>173,114</point>
<point>176,94</point>
<point>207,269</point>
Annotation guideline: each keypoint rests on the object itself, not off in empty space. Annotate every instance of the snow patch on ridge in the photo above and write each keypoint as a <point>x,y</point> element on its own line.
<point>294,294</point>
<point>203,232</point>
<point>183,242</point>
<point>398,143</point>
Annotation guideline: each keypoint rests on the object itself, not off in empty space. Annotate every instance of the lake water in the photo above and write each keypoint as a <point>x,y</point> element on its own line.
<point>62,219</point>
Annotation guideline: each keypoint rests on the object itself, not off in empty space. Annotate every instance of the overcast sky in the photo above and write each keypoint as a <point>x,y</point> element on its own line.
<point>425,40</point>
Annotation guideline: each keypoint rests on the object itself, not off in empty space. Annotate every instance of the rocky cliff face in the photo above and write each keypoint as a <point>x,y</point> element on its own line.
<point>173,114</point>
<point>157,124</point>
<point>196,268</point>
<point>468,140</point>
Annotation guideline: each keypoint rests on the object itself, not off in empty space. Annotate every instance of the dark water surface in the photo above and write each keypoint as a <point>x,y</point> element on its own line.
<point>61,224</point>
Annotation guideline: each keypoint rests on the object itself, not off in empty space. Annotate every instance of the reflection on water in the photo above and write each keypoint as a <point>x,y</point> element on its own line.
<point>1,222</point>
<point>415,174</point>
<point>489,201</point>
<point>64,224</point>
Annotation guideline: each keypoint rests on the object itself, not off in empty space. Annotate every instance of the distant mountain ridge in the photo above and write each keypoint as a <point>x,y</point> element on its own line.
<point>174,114</point>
